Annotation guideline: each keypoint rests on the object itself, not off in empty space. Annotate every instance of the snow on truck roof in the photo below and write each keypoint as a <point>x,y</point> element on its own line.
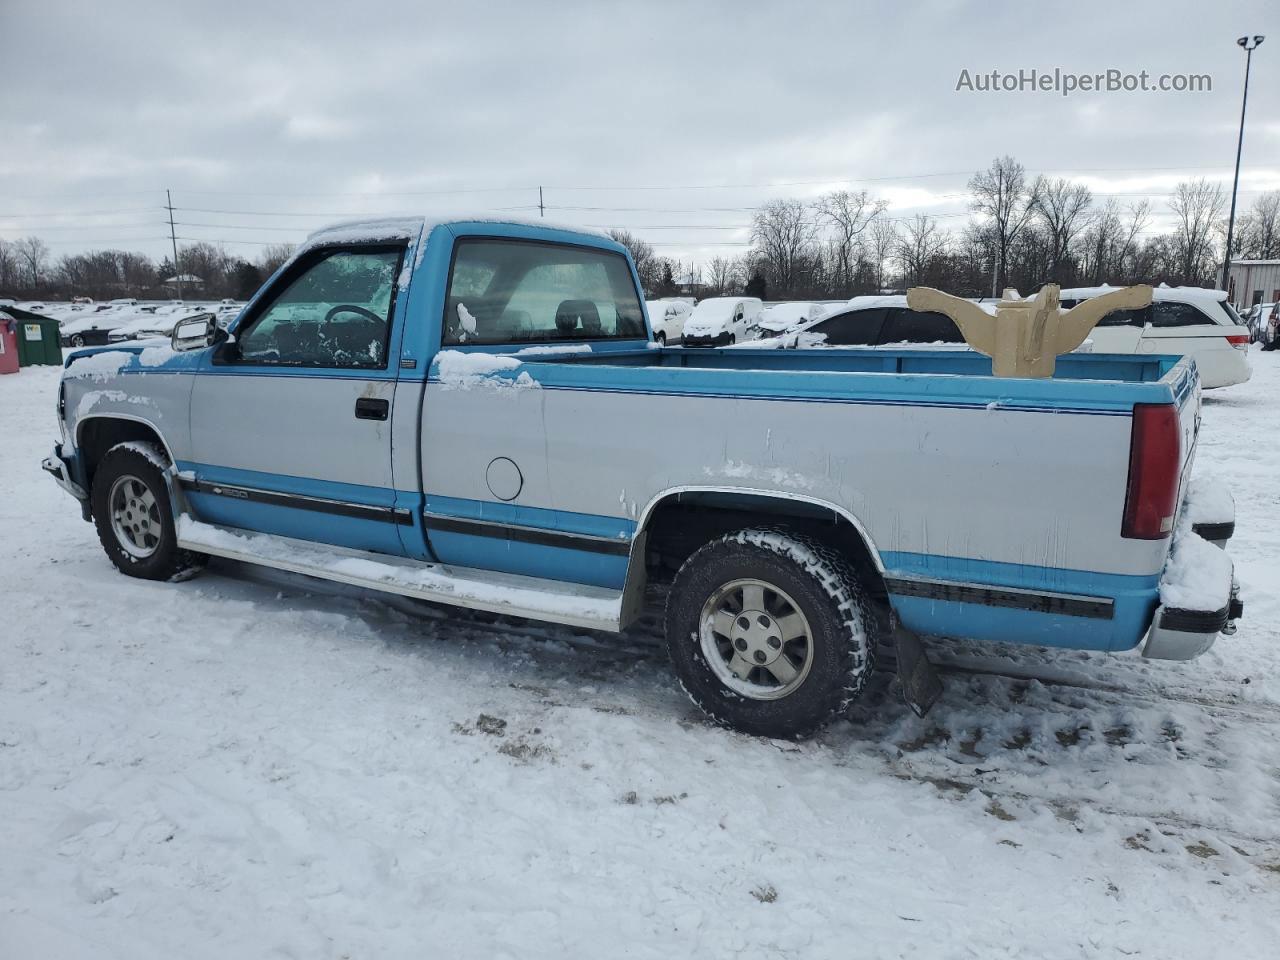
<point>408,227</point>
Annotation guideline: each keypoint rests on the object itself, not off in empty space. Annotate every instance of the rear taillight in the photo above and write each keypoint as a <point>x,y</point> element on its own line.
<point>1239,340</point>
<point>1155,455</point>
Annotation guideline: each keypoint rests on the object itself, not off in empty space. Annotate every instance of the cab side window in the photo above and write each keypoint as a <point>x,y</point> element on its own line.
<point>335,312</point>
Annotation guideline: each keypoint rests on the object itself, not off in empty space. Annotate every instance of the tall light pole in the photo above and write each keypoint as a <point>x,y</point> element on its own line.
<point>1249,45</point>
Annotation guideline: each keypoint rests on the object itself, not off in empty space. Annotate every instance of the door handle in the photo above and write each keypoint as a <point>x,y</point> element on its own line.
<point>371,408</point>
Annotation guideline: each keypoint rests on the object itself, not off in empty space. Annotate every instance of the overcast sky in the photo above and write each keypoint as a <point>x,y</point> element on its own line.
<point>671,120</point>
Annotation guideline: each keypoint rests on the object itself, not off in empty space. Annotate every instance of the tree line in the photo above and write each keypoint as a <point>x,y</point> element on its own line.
<point>29,272</point>
<point>1022,232</point>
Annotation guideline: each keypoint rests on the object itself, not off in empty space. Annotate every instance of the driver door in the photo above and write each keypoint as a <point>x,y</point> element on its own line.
<point>291,419</point>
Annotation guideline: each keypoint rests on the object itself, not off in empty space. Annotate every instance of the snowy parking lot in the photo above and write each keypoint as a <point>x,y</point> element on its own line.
<point>253,765</point>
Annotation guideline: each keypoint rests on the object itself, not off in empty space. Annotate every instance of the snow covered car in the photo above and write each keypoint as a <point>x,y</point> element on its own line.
<point>666,318</point>
<point>878,322</point>
<point>475,413</point>
<point>718,321</point>
<point>95,326</point>
<point>157,322</point>
<point>1189,321</point>
<point>782,318</point>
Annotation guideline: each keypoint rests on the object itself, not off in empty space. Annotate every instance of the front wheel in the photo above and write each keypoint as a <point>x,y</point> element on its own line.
<point>77,340</point>
<point>770,633</point>
<point>133,515</point>
<point>660,339</point>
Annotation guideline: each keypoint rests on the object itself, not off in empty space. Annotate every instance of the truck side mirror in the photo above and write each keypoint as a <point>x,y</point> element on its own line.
<point>197,332</point>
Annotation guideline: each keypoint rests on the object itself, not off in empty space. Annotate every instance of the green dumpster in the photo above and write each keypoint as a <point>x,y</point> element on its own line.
<point>37,339</point>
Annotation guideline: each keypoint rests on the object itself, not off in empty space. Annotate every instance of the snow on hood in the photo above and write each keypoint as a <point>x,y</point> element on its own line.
<point>783,316</point>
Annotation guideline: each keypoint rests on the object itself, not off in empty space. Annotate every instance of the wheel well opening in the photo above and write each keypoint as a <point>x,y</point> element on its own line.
<point>683,522</point>
<point>100,434</point>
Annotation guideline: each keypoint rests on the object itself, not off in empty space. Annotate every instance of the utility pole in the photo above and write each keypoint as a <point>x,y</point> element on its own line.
<point>542,211</point>
<point>1248,48</point>
<point>173,238</point>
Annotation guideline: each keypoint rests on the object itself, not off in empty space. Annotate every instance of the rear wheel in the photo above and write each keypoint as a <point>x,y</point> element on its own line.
<point>769,633</point>
<point>660,339</point>
<point>133,515</point>
<point>77,340</point>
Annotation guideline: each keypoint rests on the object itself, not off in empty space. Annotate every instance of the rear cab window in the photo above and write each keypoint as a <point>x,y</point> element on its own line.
<point>527,292</point>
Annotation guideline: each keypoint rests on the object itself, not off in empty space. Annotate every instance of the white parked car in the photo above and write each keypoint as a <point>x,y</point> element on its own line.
<point>667,317</point>
<point>1188,321</point>
<point>718,321</point>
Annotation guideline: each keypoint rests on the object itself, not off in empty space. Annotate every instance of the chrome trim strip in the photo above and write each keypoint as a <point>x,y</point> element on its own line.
<point>542,536</point>
<point>1018,598</point>
<point>344,508</point>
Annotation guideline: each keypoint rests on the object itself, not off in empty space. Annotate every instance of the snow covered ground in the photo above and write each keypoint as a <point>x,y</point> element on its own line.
<point>248,766</point>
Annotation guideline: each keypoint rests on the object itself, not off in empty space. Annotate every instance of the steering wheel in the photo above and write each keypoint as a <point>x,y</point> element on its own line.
<point>352,308</point>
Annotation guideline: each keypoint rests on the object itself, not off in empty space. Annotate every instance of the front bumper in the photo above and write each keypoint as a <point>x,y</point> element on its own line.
<point>707,340</point>
<point>61,469</point>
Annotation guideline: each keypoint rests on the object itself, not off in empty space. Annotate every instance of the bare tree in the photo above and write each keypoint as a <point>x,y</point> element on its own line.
<point>1197,204</point>
<point>782,233</point>
<point>1063,209</point>
<point>722,274</point>
<point>33,253</point>
<point>1002,194</point>
<point>922,244</point>
<point>8,265</point>
<point>884,242</point>
<point>848,215</point>
<point>1259,237</point>
<point>1139,217</point>
<point>647,265</point>
<point>273,257</point>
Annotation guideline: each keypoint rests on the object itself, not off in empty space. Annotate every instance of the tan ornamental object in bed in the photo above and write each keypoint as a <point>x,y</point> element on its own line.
<point>1024,336</point>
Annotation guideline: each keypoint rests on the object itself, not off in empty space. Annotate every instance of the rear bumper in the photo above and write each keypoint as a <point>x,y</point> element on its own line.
<point>1182,629</point>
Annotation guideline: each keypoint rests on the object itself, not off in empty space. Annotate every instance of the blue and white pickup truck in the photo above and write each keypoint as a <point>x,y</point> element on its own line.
<point>474,413</point>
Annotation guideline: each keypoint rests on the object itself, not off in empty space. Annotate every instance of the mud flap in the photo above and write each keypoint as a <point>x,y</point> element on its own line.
<point>921,685</point>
